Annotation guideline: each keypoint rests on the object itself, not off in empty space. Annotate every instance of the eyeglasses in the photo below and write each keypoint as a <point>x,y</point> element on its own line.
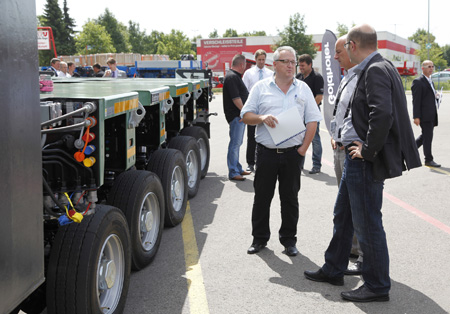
<point>347,43</point>
<point>429,66</point>
<point>291,62</point>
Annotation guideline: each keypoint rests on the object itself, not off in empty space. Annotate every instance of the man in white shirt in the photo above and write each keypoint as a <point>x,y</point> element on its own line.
<point>63,70</point>
<point>251,77</point>
<point>113,71</point>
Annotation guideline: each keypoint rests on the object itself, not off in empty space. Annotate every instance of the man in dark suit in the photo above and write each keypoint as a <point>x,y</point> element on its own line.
<point>425,110</point>
<point>98,70</point>
<point>379,144</point>
<point>55,65</point>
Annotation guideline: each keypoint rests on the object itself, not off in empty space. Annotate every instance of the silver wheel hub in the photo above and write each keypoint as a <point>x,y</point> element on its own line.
<point>107,274</point>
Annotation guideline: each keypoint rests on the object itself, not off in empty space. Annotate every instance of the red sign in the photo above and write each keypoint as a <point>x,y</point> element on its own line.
<point>218,51</point>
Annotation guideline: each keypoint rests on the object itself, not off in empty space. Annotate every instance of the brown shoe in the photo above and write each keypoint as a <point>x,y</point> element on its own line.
<point>245,173</point>
<point>238,178</point>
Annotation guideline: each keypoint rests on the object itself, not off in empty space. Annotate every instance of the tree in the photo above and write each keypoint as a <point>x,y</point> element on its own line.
<point>446,53</point>
<point>254,33</point>
<point>93,39</point>
<point>294,35</point>
<point>230,33</point>
<point>213,34</point>
<point>68,40</point>
<point>117,31</point>
<point>53,17</point>
<point>434,53</point>
<point>174,44</point>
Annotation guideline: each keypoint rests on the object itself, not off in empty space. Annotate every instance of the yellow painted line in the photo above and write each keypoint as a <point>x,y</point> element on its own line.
<point>438,170</point>
<point>196,289</point>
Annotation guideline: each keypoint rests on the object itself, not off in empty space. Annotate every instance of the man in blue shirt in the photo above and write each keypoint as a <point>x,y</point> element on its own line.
<point>269,98</point>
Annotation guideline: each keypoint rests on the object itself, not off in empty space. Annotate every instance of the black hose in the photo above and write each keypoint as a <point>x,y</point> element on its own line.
<point>50,192</point>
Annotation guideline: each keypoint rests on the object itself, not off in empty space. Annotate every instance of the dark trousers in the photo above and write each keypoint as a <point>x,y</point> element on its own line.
<point>425,139</point>
<point>251,145</point>
<point>270,168</point>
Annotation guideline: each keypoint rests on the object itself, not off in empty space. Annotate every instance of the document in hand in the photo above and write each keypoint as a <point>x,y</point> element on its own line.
<point>290,124</point>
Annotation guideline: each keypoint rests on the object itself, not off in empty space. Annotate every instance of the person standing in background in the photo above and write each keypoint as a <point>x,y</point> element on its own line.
<point>425,104</point>
<point>315,82</point>
<point>251,76</point>
<point>234,97</point>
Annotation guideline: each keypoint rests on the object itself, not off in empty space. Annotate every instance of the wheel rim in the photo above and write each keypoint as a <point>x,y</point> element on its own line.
<point>203,152</point>
<point>177,188</point>
<point>149,221</point>
<point>110,274</point>
<point>192,168</point>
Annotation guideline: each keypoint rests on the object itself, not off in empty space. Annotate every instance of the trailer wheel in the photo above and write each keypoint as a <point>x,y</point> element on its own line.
<point>139,194</point>
<point>201,136</point>
<point>170,166</point>
<point>89,266</point>
<point>188,146</point>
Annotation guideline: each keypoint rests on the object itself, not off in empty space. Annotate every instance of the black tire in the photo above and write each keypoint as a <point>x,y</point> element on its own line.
<point>188,146</point>
<point>170,166</point>
<point>201,136</point>
<point>80,254</point>
<point>139,194</point>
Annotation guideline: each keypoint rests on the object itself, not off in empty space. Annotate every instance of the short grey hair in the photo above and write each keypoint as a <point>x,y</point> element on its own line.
<point>277,52</point>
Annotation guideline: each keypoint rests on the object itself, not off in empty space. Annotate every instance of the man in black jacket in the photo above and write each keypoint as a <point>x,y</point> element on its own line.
<point>425,99</point>
<point>379,144</point>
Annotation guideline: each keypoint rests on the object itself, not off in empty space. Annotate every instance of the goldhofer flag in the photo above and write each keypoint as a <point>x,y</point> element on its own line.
<point>331,72</point>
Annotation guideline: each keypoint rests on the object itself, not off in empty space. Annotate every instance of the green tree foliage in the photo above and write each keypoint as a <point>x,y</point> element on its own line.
<point>294,35</point>
<point>342,30</point>
<point>68,41</point>
<point>117,31</point>
<point>139,41</point>
<point>435,53</point>
<point>254,33</point>
<point>230,33</point>
<point>213,34</point>
<point>53,17</point>
<point>94,39</point>
<point>174,45</point>
<point>446,54</point>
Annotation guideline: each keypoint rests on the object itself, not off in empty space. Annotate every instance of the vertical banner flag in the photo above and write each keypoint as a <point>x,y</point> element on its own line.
<point>331,72</point>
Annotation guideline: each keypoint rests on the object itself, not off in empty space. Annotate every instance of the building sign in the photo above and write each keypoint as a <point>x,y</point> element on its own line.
<point>218,51</point>
<point>43,40</point>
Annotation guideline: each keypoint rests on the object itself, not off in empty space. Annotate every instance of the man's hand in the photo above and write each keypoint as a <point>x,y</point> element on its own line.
<point>417,121</point>
<point>333,144</point>
<point>302,150</point>
<point>355,151</point>
<point>269,120</point>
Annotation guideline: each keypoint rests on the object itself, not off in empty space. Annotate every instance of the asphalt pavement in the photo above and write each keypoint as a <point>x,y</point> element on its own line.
<point>203,267</point>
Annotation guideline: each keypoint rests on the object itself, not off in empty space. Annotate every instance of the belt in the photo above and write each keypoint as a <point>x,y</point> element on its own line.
<point>279,150</point>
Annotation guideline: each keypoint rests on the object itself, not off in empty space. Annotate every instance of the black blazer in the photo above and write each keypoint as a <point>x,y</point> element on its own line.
<point>424,101</point>
<point>380,118</point>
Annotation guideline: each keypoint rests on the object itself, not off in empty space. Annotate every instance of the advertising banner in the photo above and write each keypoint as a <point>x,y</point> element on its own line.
<point>43,40</point>
<point>331,72</point>
<point>218,51</point>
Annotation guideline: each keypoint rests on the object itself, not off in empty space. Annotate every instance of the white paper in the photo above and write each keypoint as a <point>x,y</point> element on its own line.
<point>289,125</point>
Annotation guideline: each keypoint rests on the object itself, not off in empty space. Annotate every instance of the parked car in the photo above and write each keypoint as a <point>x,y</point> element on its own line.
<point>441,77</point>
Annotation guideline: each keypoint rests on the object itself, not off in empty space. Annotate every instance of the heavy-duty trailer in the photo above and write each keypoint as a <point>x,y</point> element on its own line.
<point>120,158</point>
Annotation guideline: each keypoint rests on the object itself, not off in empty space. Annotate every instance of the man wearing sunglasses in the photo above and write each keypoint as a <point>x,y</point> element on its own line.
<point>425,103</point>
<point>379,144</point>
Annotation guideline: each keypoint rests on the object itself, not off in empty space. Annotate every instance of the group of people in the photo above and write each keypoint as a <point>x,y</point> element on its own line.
<point>372,139</point>
<point>63,69</point>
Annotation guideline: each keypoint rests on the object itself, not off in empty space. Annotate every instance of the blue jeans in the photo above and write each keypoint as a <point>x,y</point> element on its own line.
<point>237,130</point>
<point>358,208</point>
<point>317,151</point>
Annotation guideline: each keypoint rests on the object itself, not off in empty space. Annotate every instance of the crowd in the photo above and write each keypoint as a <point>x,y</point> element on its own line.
<point>372,140</point>
<point>63,69</point>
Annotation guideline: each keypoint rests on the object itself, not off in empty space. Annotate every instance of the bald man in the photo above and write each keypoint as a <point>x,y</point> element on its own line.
<point>379,144</point>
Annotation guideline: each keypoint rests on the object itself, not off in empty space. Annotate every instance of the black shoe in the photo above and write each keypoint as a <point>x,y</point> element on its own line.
<point>354,269</point>
<point>291,251</point>
<point>363,294</point>
<point>321,277</point>
<point>251,168</point>
<point>255,248</point>
<point>314,170</point>
<point>432,164</point>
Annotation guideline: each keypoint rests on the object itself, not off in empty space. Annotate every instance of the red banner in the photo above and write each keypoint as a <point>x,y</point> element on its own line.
<point>218,51</point>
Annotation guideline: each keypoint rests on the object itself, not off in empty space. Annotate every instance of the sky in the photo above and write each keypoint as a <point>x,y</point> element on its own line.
<point>402,18</point>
